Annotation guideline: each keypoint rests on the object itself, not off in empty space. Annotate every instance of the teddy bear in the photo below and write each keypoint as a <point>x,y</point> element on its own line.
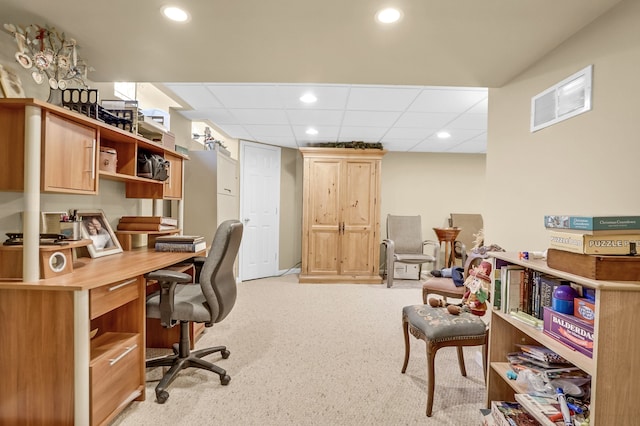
<point>475,297</point>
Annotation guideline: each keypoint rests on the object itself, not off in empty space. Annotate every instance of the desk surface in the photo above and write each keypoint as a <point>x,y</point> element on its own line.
<point>90,273</point>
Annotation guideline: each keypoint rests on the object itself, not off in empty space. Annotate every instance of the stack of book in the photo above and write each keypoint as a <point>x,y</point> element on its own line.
<point>543,362</point>
<point>595,235</point>
<point>181,243</point>
<point>147,223</point>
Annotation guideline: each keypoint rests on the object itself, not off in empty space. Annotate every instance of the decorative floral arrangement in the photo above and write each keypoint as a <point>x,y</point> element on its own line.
<point>354,144</point>
<point>50,54</point>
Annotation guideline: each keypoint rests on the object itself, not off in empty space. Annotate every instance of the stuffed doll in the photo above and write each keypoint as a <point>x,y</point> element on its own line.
<point>477,293</point>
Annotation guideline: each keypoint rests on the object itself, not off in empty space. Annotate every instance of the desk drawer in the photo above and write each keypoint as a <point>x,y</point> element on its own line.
<point>115,373</point>
<point>108,297</point>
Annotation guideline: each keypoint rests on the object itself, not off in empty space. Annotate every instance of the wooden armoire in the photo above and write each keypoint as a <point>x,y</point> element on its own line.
<point>341,215</point>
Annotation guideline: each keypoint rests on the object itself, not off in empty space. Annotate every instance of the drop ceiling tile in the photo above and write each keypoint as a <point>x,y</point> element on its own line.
<point>195,94</point>
<point>447,100</point>
<point>431,146</point>
<point>366,134</point>
<point>261,116</point>
<point>458,135</point>
<point>325,133</point>
<point>469,121</point>
<point>284,142</point>
<point>399,145</point>
<point>332,97</point>
<point>259,131</point>
<point>381,98</point>
<point>218,116</point>
<point>235,131</point>
<point>481,107</point>
<point>475,146</point>
<point>370,118</point>
<point>314,117</point>
<point>431,120</point>
<point>408,132</point>
<point>246,95</point>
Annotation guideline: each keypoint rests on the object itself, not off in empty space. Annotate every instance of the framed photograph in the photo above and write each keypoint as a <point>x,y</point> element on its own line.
<point>11,83</point>
<point>95,226</point>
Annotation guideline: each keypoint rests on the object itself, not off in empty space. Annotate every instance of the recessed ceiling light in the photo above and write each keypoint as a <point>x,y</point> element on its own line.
<point>311,131</point>
<point>443,135</point>
<point>308,98</point>
<point>175,13</point>
<point>388,16</point>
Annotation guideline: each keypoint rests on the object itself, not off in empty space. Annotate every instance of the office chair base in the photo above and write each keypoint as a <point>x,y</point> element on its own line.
<point>183,358</point>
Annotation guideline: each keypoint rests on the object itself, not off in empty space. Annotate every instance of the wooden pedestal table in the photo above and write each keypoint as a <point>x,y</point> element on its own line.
<point>447,236</point>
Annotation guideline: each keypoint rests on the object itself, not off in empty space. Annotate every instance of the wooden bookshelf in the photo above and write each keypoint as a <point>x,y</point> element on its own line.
<point>613,367</point>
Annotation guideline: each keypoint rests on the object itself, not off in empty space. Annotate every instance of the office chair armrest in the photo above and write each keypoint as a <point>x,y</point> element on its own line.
<point>168,280</point>
<point>198,262</point>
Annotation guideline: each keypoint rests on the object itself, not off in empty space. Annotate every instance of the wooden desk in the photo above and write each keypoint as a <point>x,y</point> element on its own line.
<point>49,360</point>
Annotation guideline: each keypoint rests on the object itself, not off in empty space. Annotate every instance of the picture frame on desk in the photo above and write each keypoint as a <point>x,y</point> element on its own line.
<point>95,226</point>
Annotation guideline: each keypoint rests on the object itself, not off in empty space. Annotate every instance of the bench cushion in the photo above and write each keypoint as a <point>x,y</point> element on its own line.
<point>437,324</point>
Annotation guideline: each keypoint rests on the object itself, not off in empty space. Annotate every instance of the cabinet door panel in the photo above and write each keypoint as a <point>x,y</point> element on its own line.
<point>324,198</point>
<point>173,185</point>
<point>322,255</point>
<point>227,179</point>
<point>356,248</point>
<point>69,156</point>
<point>358,206</point>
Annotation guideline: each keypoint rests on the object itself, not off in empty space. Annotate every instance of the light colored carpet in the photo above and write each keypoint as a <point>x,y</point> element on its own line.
<point>316,354</point>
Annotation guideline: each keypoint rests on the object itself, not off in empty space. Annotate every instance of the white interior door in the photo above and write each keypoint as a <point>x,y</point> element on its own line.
<point>259,209</point>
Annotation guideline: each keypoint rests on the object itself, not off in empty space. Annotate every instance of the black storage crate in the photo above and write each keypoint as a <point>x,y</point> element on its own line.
<point>84,101</point>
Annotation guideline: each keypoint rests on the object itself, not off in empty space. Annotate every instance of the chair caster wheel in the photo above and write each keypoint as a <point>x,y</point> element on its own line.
<point>224,380</point>
<point>162,397</point>
<point>225,354</point>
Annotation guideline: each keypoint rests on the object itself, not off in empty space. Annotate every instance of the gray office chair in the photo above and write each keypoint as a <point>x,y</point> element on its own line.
<point>209,302</point>
<point>404,244</point>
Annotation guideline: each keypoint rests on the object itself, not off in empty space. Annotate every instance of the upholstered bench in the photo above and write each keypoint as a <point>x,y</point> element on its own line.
<point>438,328</point>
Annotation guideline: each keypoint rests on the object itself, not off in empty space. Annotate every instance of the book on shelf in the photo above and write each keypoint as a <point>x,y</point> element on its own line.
<point>527,319</point>
<point>180,239</point>
<point>511,414</point>
<point>542,353</point>
<point>181,247</point>
<point>592,223</point>
<point>548,285</point>
<point>142,226</point>
<point>610,244</point>
<point>544,409</point>
<point>510,278</point>
<point>161,220</point>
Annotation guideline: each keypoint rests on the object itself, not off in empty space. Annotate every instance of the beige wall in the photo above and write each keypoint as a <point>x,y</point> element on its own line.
<point>585,165</point>
<point>432,186</point>
<point>290,209</point>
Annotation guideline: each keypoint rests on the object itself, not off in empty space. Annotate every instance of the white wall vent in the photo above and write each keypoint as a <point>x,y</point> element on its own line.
<point>570,97</point>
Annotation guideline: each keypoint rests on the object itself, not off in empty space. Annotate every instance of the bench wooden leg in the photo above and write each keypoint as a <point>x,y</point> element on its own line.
<point>405,328</point>
<point>463,369</point>
<point>431,356</point>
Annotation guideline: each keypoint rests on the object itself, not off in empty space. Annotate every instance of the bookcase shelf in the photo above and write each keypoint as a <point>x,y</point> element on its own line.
<point>613,367</point>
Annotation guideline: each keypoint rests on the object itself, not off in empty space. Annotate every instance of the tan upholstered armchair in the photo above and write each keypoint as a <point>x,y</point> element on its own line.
<point>470,225</point>
<point>404,244</point>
